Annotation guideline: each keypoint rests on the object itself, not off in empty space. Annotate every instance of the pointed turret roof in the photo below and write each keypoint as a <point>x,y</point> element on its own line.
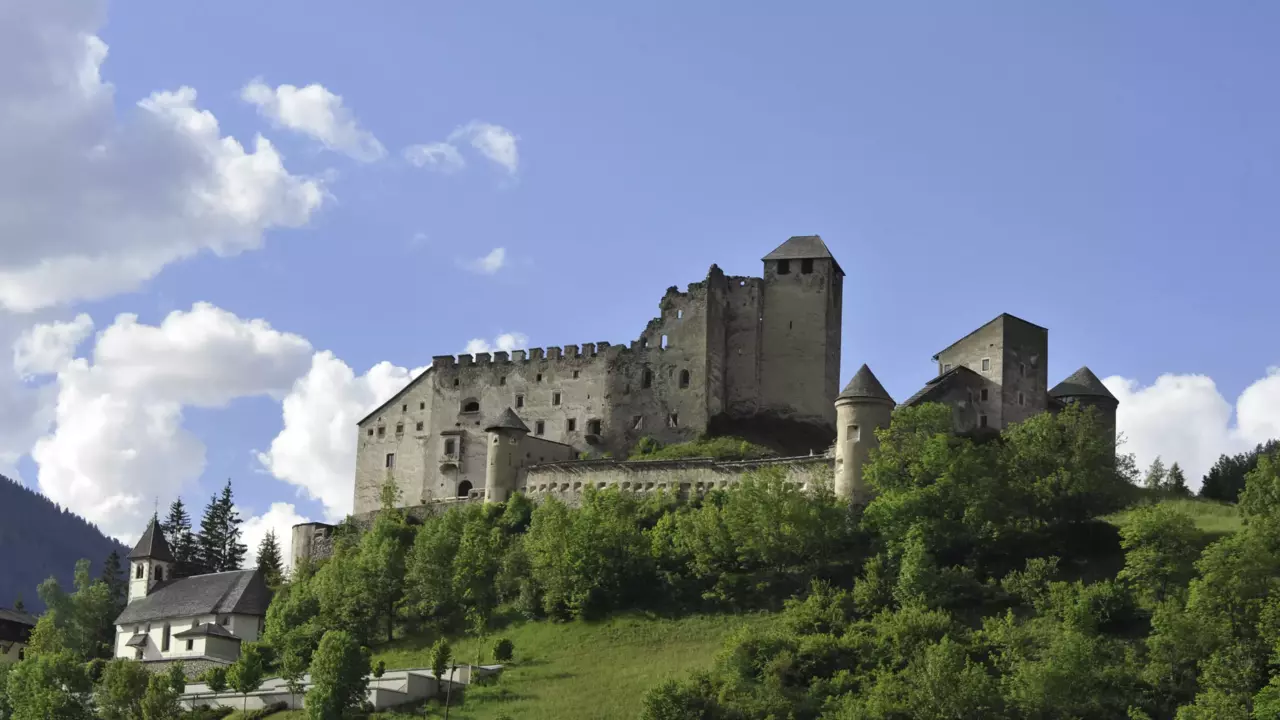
<point>152,545</point>
<point>508,420</point>
<point>865,385</point>
<point>1081,383</point>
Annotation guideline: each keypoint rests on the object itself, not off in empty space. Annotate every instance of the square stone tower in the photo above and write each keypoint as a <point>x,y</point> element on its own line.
<point>800,343</point>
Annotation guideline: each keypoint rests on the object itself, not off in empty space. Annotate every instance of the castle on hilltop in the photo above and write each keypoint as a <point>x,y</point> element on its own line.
<point>757,357</point>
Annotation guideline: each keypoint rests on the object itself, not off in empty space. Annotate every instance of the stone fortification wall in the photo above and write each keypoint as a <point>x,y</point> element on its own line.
<point>568,481</point>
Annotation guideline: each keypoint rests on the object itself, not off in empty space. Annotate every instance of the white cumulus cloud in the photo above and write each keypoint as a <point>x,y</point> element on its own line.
<point>1185,419</point>
<point>441,157</point>
<point>47,347</point>
<point>119,442</point>
<point>279,518</point>
<point>317,112</point>
<point>504,342</point>
<point>493,141</point>
<point>489,264</point>
<point>95,202</point>
<point>316,450</point>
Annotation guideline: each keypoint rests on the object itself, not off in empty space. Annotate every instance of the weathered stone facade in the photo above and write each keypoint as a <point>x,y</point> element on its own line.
<point>729,352</point>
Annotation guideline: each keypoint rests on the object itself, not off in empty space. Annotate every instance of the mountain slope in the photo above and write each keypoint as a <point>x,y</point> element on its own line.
<point>38,539</point>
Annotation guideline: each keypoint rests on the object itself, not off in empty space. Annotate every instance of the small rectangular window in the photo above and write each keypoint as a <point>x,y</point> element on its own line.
<point>575,374</point>
<point>422,406</point>
<point>399,428</point>
<point>673,420</point>
<point>1022,369</point>
<point>404,408</point>
<point>382,431</point>
<point>502,380</point>
<point>571,425</point>
<point>225,620</point>
<point>784,267</point>
<point>637,422</point>
<point>519,401</point>
<point>986,364</point>
<point>391,460</point>
<point>855,434</point>
<point>982,421</point>
<point>806,266</point>
<point>946,368</point>
<point>370,432</point>
<point>555,398</point>
<point>1020,399</point>
<point>137,574</point>
<point>455,382</point>
<point>538,378</point>
<point>539,428</point>
<point>984,394</point>
<point>191,644</point>
<point>593,427</point>
<point>449,446</point>
<point>419,426</point>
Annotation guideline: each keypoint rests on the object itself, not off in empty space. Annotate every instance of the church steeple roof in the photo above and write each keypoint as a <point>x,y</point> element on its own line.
<point>152,545</point>
<point>865,385</point>
<point>1081,383</point>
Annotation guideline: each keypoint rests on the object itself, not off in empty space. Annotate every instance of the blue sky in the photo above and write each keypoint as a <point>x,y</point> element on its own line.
<point>1106,170</point>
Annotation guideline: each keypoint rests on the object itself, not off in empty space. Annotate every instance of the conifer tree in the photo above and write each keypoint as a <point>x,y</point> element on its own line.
<point>220,548</point>
<point>177,530</point>
<point>269,561</point>
<point>1176,481</point>
<point>113,576</point>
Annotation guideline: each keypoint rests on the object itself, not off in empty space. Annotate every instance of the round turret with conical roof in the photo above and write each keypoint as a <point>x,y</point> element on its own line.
<point>505,434</point>
<point>863,407</point>
<point>1085,389</point>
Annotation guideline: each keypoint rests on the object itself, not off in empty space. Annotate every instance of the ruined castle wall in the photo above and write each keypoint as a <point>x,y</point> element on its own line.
<point>568,481</point>
<point>744,316</point>
<point>1025,371</point>
<point>799,366</point>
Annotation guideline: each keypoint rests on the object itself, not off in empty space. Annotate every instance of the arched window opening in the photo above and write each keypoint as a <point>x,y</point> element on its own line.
<point>464,488</point>
<point>159,573</point>
<point>471,405</point>
<point>137,573</point>
<point>684,378</point>
<point>164,639</point>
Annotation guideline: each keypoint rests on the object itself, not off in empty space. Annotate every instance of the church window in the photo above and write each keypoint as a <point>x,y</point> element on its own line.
<point>555,398</point>
<point>164,639</point>
<point>419,426</point>
<point>673,420</point>
<point>646,381</point>
<point>471,406</point>
<point>391,460</point>
<point>191,644</point>
<point>540,427</point>
<point>982,421</point>
<point>684,378</point>
<point>986,364</point>
<point>519,401</point>
<point>571,425</point>
<point>593,427</point>
<point>984,394</point>
<point>784,267</point>
<point>137,574</point>
<point>159,573</point>
<point>806,266</point>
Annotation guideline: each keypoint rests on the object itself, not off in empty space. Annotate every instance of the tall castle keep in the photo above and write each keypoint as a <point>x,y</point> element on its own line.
<point>755,357</point>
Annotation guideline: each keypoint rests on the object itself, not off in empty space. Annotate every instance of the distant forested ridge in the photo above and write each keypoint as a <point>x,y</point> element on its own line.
<point>39,539</point>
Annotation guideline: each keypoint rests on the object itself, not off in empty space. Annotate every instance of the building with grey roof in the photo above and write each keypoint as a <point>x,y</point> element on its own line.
<point>200,620</point>
<point>15,630</point>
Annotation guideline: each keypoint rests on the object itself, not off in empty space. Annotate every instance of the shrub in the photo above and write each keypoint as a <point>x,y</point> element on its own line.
<point>503,650</point>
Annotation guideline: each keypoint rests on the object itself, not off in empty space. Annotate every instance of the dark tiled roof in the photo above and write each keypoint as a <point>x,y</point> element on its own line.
<point>801,247</point>
<point>508,420</point>
<point>206,630</point>
<point>1081,383</point>
<point>865,385</point>
<point>939,384</point>
<point>1001,316</point>
<point>17,616</point>
<point>152,545</point>
<point>241,592</point>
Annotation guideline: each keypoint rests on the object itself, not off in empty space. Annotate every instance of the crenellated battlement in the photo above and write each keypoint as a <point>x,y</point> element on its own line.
<point>550,354</point>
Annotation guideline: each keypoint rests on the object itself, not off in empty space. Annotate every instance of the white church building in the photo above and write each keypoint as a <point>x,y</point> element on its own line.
<point>200,620</point>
